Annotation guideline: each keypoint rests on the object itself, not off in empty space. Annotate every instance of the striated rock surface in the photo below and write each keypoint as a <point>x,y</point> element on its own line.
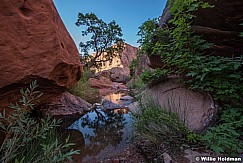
<point>197,110</point>
<point>35,44</point>
<point>219,25</point>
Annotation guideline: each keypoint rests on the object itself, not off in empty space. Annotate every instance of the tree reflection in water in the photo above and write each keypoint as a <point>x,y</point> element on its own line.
<point>102,129</point>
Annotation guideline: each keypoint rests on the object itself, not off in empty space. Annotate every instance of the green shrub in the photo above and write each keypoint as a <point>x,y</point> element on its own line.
<point>84,90</point>
<point>137,84</point>
<point>184,55</point>
<point>220,76</point>
<point>227,136</point>
<point>28,139</point>
<point>158,130</point>
<point>149,76</point>
<point>134,64</point>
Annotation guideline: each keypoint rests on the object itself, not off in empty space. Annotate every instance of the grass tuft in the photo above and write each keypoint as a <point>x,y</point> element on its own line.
<point>158,130</point>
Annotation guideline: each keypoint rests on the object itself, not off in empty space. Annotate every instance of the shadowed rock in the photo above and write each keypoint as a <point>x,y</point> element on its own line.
<point>219,25</point>
<point>67,104</point>
<point>108,105</point>
<point>196,110</point>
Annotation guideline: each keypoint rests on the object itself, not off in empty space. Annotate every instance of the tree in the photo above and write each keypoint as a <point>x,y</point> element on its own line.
<point>105,40</point>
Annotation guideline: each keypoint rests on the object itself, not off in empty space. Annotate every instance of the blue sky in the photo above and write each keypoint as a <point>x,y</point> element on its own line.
<point>129,14</point>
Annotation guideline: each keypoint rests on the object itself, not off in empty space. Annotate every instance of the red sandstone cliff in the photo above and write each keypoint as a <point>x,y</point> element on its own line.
<point>35,44</point>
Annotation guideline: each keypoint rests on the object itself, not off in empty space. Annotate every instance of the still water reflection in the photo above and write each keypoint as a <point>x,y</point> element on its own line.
<point>101,133</point>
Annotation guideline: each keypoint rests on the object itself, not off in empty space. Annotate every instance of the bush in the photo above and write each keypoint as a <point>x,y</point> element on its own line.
<point>28,139</point>
<point>84,90</point>
<point>158,130</point>
<point>134,64</point>
<point>150,77</point>
<point>136,83</point>
<point>184,55</point>
<point>227,136</point>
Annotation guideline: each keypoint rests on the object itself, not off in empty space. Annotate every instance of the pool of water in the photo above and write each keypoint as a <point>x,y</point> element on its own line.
<point>99,134</point>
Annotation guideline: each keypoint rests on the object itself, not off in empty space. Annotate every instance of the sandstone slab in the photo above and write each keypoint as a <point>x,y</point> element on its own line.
<point>196,110</point>
<point>105,85</point>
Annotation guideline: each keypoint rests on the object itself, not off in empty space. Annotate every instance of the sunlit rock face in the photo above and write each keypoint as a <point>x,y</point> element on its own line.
<point>35,45</point>
<point>119,67</point>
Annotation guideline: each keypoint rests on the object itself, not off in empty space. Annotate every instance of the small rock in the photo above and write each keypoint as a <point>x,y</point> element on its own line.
<point>134,107</point>
<point>126,98</point>
<point>107,104</point>
<point>167,158</point>
<point>192,155</point>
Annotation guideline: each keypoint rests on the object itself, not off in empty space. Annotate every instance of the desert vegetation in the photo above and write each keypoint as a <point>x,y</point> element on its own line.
<point>28,139</point>
<point>182,53</point>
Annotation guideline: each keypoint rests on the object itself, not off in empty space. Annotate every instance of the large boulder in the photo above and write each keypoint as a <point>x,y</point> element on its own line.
<point>67,104</point>
<point>100,83</point>
<point>35,45</point>
<point>119,74</point>
<point>108,105</point>
<point>197,110</point>
<point>105,85</point>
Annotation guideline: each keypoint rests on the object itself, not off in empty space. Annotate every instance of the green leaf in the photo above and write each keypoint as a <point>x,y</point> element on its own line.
<point>2,126</point>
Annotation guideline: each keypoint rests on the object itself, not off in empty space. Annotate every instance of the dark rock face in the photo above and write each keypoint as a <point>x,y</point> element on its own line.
<point>67,104</point>
<point>121,75</point>
<point>128,54</point>
<point>35,45</point>
<point>219,25</point>
<point>225,15</point>
<point>166,16</point>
